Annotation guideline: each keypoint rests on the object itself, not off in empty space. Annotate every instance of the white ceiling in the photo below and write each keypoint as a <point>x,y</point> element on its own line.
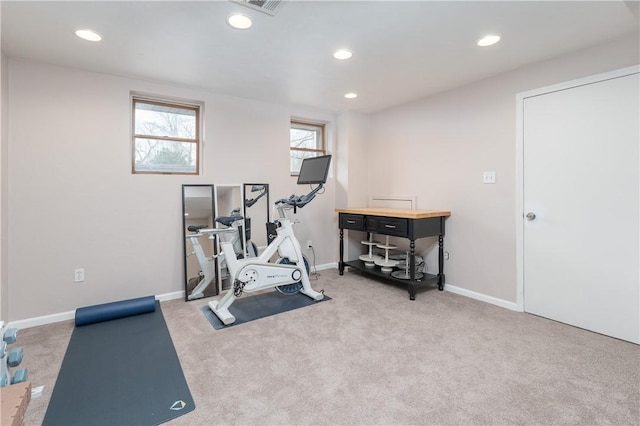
<point>403,50</point>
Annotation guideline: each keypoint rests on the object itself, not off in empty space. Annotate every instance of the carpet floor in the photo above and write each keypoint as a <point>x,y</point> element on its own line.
<point>370,356</point>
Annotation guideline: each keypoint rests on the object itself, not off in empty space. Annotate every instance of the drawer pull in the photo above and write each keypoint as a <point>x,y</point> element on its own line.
<point>390,226</point>
<point>351,221</point>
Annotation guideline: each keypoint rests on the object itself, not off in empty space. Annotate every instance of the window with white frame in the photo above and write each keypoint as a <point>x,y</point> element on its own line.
<point>307,139</point>
<point>166,137</point>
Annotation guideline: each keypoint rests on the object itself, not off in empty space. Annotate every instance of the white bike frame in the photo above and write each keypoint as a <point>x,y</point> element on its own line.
<point>254,274</point>
<point>207,266</point>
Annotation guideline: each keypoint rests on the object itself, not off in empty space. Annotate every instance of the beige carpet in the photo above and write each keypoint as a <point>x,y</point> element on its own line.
<point>372,356</point>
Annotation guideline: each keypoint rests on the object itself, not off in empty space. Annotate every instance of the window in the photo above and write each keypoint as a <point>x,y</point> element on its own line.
<point>307,140</point>
<point>166,137</point>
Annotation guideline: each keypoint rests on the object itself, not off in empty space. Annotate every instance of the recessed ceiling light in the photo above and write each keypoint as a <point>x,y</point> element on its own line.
<point>88,35</point>
<point>488,40</point>
<point>239,21</point>
<point>351,95</point>
<point>342,54</point>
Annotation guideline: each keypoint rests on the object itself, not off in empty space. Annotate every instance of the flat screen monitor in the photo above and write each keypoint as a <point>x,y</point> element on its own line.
<point>314,170</point>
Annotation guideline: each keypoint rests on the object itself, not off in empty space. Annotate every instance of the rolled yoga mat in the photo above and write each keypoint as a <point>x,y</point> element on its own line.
<point>115,310</point>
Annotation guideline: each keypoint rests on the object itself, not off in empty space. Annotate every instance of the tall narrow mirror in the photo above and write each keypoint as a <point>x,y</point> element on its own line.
<point>256,216</point>
<point>229,209</point>
<point>199,249</point>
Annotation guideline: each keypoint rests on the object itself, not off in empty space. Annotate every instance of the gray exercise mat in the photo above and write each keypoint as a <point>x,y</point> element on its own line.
<point>120,372</point>
<point>250,308</point>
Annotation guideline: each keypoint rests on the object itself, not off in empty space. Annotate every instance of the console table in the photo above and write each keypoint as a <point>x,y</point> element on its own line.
<point>410,224</point>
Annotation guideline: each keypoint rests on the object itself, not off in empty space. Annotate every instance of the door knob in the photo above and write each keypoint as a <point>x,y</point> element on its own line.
<point>531,216</point>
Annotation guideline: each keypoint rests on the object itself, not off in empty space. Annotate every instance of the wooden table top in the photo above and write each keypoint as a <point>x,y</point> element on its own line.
<point>400,213</point>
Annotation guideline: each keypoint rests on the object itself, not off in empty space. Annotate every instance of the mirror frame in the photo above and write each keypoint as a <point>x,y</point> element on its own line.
<point>211,223</point>
<point>221,192</point>
<point>247,192</point>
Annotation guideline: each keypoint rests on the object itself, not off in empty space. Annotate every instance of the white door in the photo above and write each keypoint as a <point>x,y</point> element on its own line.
<point>581,181</point>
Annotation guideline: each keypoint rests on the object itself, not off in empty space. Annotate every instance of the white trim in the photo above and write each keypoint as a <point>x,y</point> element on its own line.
<point>411,199</point>
<point>520,97</point>
<point>170,296</point>
<point>70,315</point>
<point>482,297</point>
<point>581,81</point>
<point>326,266</point>
<point>520,201</point>
<point>43,320</point>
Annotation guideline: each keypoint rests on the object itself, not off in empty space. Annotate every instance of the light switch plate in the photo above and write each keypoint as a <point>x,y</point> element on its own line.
<point>489,177</point>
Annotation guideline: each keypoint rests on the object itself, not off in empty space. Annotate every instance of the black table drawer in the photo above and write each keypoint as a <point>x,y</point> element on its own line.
<point>372,223</point>
<point>393,226</point>
<point>352,221</point>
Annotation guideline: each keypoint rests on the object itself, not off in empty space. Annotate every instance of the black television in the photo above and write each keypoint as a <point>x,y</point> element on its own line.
<point>314,170</point>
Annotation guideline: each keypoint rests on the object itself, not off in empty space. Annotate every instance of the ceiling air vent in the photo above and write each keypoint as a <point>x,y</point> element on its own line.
<point>270,7</point>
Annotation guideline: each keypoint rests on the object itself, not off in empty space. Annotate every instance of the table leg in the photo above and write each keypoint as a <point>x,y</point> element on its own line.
<point>412,270</point>
<point>440,262</point>
<point>341,262</point>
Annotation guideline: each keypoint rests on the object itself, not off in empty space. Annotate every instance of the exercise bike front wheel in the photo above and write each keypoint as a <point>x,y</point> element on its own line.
<point>291,289</point>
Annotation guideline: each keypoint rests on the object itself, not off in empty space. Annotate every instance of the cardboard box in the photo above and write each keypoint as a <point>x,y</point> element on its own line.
<point>15,399</point>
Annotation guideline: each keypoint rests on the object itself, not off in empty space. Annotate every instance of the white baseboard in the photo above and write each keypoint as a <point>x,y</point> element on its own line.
<point>325,266</point>
<point>69,315</point>
<point>170,296</point>
<point>513,306</point>
<point>43,320</point>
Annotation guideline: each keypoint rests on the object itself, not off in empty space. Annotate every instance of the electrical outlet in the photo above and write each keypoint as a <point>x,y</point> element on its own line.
<point>309,245</point>
<point>78,275</point>
<point>489,177</point>
<point>446,255</point>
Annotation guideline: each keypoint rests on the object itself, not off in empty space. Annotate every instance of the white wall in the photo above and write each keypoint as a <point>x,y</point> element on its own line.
<point>4,161</point>
<point>351,181</point>
<point>73,202</point>
<point>438,148</point>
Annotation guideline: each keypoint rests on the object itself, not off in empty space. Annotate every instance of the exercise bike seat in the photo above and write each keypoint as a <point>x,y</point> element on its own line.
<point>195,228</point>
<point>228,220</point>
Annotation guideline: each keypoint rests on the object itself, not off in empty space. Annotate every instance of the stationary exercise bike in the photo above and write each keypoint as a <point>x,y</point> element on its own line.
<point>206,275</point>
<point>289,276</point>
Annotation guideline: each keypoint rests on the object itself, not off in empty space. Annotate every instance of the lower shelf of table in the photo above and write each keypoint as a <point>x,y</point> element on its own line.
<point>359,264</point>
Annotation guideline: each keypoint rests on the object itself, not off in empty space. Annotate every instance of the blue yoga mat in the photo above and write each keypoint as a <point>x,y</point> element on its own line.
<point>120,372</point>
<point>115,310</point>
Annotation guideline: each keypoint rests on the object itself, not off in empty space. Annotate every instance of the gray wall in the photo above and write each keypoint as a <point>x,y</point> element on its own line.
<point>4,161</point>
<point>71,200</point>
<point>438,148</point>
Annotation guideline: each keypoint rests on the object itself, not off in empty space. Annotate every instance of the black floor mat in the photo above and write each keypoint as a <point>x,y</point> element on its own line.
<point>250,308</point>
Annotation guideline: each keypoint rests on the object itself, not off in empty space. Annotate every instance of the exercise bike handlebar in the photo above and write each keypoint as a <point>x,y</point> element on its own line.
<point>252,201</point>
<point>199,231</point>
<point>300,201</point>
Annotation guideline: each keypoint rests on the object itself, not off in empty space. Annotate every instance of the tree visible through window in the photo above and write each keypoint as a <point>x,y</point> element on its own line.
<point>166,137</point>
<point>306,140</point>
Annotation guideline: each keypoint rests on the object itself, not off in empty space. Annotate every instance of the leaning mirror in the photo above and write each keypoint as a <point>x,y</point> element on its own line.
<point>228,209</point>
<point>256,216</point>
<point>199,248</point>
